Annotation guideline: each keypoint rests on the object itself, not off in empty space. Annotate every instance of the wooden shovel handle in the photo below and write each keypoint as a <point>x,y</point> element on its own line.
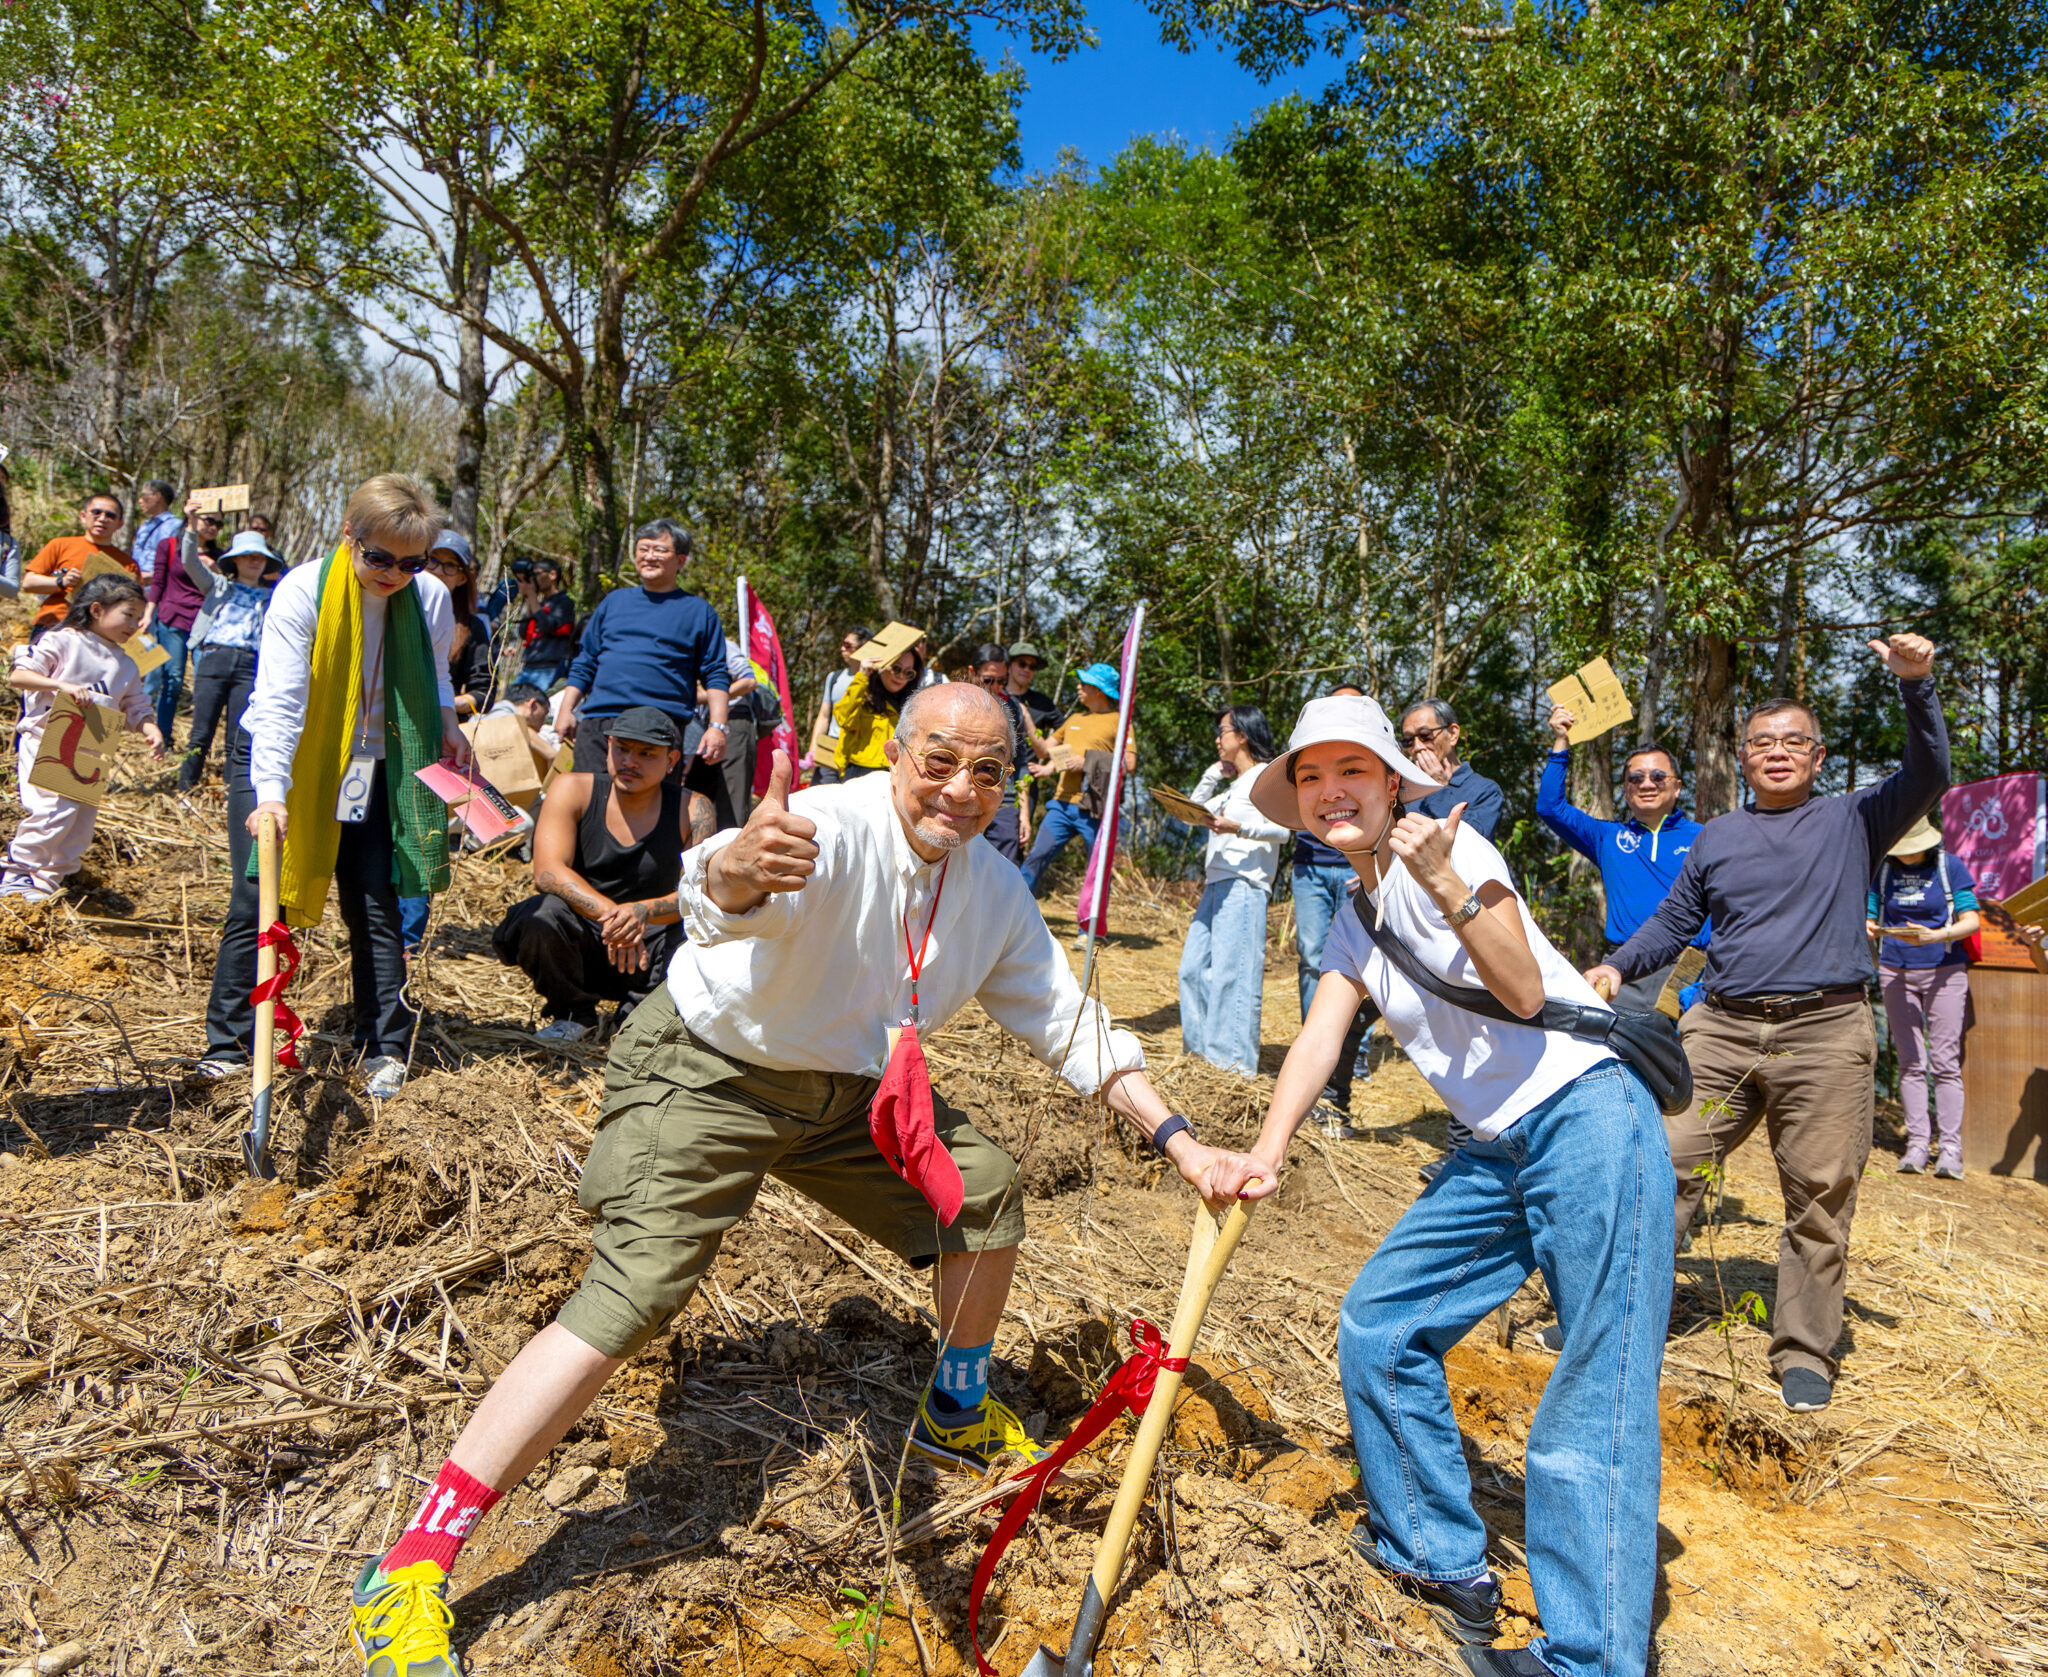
<point>1209,1254</point>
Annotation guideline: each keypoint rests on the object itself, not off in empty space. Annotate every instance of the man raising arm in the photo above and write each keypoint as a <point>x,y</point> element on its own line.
<point>1785,1034</point>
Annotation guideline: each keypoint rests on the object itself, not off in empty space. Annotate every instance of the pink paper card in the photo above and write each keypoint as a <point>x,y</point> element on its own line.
<point>483,808</point>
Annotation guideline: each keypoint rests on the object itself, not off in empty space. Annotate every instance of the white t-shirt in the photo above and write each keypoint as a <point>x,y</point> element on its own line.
<point>1488,1074</point>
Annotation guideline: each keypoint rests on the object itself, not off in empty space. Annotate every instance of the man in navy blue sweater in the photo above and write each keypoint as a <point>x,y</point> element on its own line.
<point>652,645</point>
<point>1784,1038</point>
<point>1638,858</point>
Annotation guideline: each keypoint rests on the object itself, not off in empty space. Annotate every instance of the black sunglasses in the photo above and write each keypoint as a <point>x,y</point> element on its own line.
<point>378,560</point>
<point>1647,777</point>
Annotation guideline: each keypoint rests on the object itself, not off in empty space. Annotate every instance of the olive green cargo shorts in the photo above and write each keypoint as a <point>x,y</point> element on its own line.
<point>682,1144</point>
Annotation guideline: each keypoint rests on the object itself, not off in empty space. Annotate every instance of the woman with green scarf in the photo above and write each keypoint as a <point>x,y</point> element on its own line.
<point>352,697</point>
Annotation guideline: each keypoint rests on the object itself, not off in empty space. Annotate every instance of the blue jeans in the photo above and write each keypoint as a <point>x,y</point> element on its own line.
<point>1223,976</point>
<point>412,921</point>
<point>1320,895</point>
<point>1580,1188</point>
<point>1062,821</point>
<point>166,684</point>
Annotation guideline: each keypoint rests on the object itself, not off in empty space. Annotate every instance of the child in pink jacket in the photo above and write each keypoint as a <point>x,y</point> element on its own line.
<point>85,658</point>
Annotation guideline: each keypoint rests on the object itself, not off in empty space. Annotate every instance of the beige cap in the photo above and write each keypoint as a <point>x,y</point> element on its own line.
<point>1345,719</point>
<point>1922,835</point>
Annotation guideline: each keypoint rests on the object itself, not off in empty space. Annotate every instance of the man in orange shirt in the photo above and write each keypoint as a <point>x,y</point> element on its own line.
<point>54,572</point>
<point>60,566</point>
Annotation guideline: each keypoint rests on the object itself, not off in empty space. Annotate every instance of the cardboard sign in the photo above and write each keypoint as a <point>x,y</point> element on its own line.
<point>146,653</point>
<point>230,497</point>
<point>1595,697</point>
<point>890,644</point>
<point>504,757</point>
<point>2029,903</point>
<point>1179,805</point>
<point>98,564</point>
<point>77,741</point>
<point>483,810</point>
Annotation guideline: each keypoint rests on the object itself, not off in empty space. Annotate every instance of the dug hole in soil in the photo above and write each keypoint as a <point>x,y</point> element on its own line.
<point>222,1396</point>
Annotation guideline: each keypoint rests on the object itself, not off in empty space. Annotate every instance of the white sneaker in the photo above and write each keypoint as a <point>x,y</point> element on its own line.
<point>386,1077</point>
<point>561,1031</point>
<point>212,1070</point>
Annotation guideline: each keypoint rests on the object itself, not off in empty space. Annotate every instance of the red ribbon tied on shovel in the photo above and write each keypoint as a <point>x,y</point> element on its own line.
<point>278,936</point>
<point>1129,1388</point>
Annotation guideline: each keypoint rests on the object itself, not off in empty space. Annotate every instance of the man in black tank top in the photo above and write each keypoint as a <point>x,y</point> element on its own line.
<point>607,853</point>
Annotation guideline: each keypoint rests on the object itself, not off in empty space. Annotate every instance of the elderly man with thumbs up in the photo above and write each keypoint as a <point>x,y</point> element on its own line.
<point>1784,1036</point>
<point>824,936</point>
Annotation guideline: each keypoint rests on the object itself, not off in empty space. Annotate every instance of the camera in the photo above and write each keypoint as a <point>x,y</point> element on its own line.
<point>521,567</point>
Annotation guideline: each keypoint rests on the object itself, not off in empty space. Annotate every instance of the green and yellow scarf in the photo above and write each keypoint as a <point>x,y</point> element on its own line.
<point>412,741</point>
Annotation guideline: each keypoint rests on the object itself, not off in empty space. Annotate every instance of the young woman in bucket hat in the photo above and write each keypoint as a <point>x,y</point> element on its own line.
<point>1568,1172</point>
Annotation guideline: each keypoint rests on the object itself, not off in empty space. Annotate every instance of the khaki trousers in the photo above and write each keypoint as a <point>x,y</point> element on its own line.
<point>687,1134</point>
<point>1812,1083</point>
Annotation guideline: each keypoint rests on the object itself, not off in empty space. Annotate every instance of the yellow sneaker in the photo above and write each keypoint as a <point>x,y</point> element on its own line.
<point>980,1438</point>
<point>401,1623</point>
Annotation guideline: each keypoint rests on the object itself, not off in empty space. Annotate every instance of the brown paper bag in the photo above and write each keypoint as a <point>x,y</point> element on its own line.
<point>505,757</point>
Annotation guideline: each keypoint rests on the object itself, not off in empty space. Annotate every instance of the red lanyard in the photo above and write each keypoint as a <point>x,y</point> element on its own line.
<point>916,956</point>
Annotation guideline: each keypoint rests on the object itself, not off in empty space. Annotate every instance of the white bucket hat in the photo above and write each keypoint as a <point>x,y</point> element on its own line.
<point>1343,720</point>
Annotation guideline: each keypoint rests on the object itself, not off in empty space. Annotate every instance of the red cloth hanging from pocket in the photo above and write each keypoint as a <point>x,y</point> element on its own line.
<point>900,1120</point>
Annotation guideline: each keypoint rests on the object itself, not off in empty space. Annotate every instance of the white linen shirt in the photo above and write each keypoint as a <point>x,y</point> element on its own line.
<point>276,713</point>
<point>813,980</point>
<point>1253,852</point>
<point>1488,1073</point>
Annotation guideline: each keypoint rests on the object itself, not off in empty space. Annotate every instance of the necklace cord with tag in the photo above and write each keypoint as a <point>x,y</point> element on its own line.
<point>916,956</point>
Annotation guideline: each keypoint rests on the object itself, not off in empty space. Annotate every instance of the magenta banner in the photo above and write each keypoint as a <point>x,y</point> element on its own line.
<point>1999,830</point>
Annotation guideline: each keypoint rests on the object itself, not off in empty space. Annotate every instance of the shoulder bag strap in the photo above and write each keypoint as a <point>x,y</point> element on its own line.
<point>1591,1024</point>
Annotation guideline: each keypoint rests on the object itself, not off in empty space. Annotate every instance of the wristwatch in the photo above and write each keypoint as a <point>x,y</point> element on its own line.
<point>1466,910</point>
<point>720,726</point>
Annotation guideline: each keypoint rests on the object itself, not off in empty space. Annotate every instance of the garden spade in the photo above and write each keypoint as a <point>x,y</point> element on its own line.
<point>1209,1255</point>
<point>256,1143</point>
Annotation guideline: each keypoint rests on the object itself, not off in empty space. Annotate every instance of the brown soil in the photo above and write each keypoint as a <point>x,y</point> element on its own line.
<point>219,1396</point>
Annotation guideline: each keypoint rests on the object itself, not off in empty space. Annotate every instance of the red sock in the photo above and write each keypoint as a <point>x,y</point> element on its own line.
<point>445,1519</point>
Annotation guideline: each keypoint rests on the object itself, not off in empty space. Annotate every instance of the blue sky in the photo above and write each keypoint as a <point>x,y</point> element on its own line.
<point>1132,84</point>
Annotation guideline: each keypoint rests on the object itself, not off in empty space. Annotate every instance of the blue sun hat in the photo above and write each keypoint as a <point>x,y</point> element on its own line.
<point>1104,678</point>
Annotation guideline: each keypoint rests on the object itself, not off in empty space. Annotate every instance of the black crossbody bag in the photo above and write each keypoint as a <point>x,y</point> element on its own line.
<point>1647,1043</point>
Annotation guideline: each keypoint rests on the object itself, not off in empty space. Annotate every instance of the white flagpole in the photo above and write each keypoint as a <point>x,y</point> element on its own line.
<point>746,651</point>
<point>1099,891</point>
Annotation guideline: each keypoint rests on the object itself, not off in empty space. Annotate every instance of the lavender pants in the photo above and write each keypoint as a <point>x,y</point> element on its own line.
<point>1924,1006</point>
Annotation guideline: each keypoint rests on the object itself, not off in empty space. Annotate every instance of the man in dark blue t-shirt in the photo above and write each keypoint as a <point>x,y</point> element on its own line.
<point>652,645</point>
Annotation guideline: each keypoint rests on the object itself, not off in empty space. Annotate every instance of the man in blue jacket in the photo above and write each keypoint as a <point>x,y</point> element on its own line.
<point>1638,858</point>
<point>652,645</point>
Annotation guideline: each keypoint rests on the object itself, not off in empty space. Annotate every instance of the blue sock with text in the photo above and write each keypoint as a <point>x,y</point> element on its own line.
<point>961,1379</point>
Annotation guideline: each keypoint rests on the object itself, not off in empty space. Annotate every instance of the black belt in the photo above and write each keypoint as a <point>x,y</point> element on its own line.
<point>1774,1008</point>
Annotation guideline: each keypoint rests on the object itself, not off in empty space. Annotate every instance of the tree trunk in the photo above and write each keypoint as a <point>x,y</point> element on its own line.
<point>472,274</point>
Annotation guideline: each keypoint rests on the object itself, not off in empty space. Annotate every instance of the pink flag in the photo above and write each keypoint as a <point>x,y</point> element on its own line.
<point>1093,908</point>
<point>1998,829</point>
<point>762,647</point>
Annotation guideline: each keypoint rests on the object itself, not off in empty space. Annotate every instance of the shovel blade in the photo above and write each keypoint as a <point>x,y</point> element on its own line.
<point>1046,1663</point>
<point>256,1142</point>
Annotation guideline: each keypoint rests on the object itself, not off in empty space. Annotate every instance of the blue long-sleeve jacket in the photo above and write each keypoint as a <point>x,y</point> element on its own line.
<point>1638,865</point>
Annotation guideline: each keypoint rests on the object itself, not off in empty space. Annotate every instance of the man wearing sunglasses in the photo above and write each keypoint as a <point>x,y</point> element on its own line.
<point>835,917</point>
<point>51,575</point>
<point>1784,1037</point>
<point>1638,857</point>
<point>1430,735</point>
